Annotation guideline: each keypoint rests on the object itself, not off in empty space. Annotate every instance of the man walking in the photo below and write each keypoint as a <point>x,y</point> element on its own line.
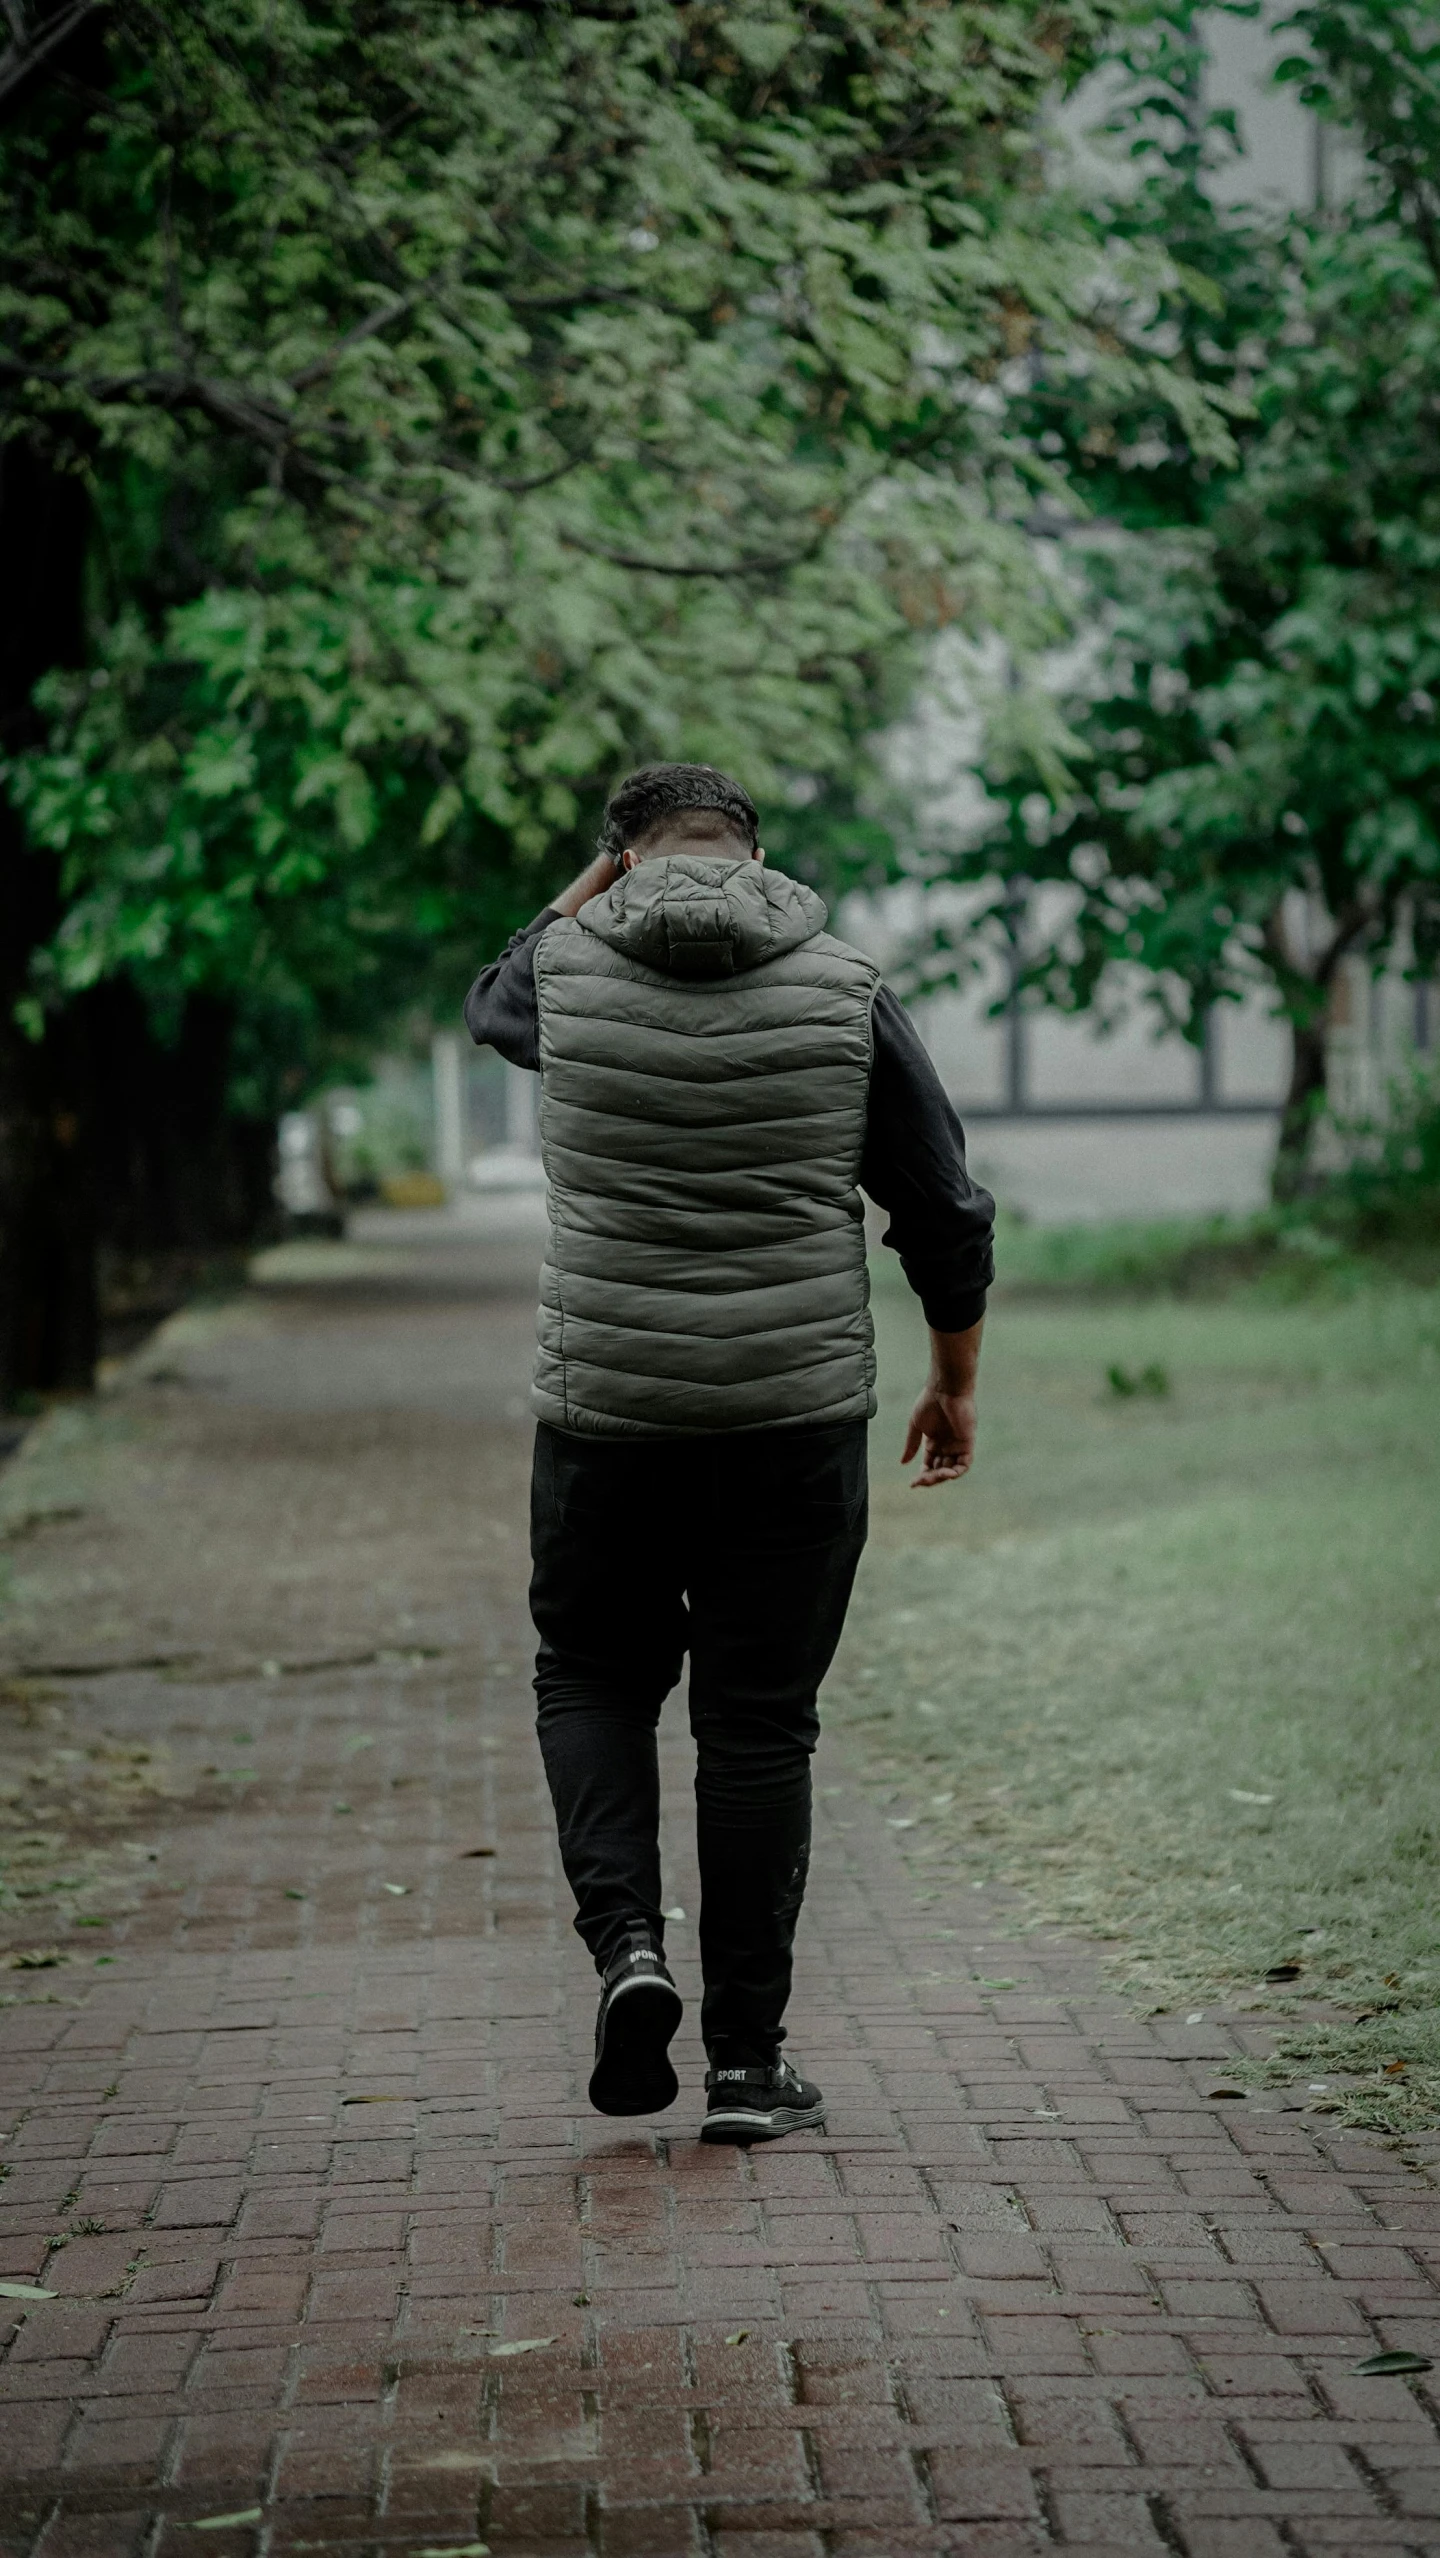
<point>719,1077</point>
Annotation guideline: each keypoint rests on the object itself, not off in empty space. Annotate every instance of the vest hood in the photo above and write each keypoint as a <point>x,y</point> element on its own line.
<point>692,916</point>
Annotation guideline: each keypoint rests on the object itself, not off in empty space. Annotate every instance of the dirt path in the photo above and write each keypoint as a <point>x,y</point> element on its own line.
<point>342,2243</point>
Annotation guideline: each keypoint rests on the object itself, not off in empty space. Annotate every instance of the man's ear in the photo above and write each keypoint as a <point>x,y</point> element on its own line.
<point>628,859</point>
<point>759,853</point>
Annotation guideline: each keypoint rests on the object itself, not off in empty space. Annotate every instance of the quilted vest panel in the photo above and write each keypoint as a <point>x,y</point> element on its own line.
<point>701,1135</point>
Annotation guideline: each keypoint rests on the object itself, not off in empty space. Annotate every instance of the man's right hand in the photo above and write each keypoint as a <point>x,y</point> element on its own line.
<point>593,881</point>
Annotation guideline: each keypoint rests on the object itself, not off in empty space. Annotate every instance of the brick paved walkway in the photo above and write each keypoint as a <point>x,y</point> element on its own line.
<point>367,2262</point>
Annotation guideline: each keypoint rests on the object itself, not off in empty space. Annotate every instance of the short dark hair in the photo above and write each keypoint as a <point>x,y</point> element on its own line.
<point>641,804</point>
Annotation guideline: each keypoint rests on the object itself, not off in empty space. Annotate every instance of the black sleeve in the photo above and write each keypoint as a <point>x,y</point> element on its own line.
<point>501,1010</point>
<point>913,1165</point>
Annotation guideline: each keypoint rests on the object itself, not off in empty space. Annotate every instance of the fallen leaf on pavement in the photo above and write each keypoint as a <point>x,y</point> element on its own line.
<point>222,2522</point>
<point>521,2345</point>
<point>739,2336</point>
<point>457,2549</point>
<point>1377,2366</point>
<point>375,2100</point>
<point>1222,2087</point>
<point>477,1851</point>
<point>25,2291</point>
<point>399,1889</point>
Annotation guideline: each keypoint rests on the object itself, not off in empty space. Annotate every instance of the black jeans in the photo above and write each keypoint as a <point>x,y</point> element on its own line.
<point>741,1549</point>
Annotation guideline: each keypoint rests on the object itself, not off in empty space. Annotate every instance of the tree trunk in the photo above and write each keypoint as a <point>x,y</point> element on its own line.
<point>180,1180</point>
<point>48,1314</point>
<point>1294,1176</point>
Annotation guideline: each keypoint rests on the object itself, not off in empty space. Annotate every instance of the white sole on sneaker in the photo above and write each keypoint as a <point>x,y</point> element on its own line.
<point>747,2123</point>
<point>632,2073</point>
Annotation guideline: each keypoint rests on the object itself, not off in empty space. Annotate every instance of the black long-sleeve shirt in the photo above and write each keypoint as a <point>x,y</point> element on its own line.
<point>912,1163</point>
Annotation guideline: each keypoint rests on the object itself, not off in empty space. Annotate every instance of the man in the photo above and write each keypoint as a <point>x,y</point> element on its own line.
<point>719,1077</point>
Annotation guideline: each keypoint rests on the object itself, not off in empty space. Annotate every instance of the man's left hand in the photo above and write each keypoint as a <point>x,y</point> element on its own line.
<point>943,1421</point>
<point>944,1424</point>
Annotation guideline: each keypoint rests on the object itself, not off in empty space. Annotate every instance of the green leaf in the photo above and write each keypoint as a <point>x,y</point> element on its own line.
<point>441,814</point>
<point>220,763</point>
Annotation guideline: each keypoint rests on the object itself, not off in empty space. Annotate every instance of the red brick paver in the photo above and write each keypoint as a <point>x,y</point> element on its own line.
<point>1031,2289</point>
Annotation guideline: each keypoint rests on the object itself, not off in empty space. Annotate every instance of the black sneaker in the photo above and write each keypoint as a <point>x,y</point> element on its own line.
<point>760,2104</point>
<point>639,2011</point>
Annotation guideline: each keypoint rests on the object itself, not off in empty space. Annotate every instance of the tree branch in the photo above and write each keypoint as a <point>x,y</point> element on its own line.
<point>366,328</point>
<point>584,294</point>
<point>161,391</point>
<point>623,14</point>
<point>33,46</point>
<point>541,479</point>
<point>1350,926</point>
<point>759,566</point>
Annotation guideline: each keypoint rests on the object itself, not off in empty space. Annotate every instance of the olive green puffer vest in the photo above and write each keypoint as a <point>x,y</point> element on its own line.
<point>705,1065</point>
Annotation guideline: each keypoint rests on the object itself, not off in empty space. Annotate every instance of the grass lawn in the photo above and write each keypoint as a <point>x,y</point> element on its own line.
<point>1169,1662</point>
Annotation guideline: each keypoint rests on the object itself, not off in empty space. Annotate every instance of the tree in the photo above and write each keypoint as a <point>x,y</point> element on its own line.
<point>468,400</point>
<point>1244,776</point>
<point>47,1298</point>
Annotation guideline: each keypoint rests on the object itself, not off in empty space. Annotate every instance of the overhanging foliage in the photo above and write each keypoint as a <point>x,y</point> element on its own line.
<point>478,399</point>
